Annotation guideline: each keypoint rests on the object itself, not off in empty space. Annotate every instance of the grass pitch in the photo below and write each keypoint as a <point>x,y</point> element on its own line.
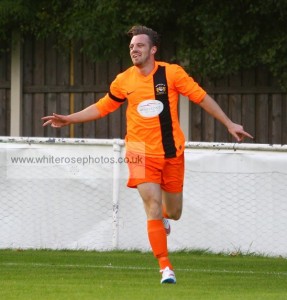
<point>42,274</point>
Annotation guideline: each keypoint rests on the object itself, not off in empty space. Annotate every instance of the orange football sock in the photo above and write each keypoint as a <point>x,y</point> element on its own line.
<point>164,262</point>
<point>158,242</point>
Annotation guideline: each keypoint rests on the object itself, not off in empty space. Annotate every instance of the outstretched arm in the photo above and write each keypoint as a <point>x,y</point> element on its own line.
<point>211,107</point>
<point>88,114</point>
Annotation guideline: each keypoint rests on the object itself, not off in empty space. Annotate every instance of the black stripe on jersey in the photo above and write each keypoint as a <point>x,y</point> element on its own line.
<point>116,98</point>
<point>161,94</point>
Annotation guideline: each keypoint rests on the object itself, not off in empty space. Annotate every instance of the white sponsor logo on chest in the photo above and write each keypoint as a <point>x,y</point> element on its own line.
<point>150,108</point>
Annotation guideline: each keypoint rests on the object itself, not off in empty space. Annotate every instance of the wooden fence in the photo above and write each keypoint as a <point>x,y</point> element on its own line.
<point>4,93</point>
<point>53,82</point>
<point>251,98</point>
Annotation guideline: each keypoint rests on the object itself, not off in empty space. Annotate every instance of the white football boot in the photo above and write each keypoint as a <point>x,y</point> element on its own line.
<point>167,276</point>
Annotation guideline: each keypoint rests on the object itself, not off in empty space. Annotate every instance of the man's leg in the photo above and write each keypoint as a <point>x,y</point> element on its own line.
<point>152,198</point>
<point>172,205</point>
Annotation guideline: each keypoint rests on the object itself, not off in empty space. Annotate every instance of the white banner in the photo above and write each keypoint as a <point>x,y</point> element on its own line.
<point>70,194</point>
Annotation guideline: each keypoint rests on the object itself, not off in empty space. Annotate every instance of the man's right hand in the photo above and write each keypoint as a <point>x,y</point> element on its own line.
<point>56,121</point>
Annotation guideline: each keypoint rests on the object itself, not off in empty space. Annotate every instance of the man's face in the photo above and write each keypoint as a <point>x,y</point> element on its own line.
<point>141,51</point>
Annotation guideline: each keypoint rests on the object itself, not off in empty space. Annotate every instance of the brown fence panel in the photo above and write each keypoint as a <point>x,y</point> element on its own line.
<point>101,80</point>
<point>4,93</point>
<point>196,123</point>
<point>250,98</point>
<point>284,119</point>
<point>276,120</point>
<point>65,83</point>
<point>88,79</point>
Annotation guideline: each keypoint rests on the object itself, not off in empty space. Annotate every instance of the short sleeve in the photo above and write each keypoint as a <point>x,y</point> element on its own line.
<point>186,85</point>
<point>112,100</point>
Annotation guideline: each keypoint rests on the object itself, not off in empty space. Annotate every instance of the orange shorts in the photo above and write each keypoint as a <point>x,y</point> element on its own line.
<point>168,172</point>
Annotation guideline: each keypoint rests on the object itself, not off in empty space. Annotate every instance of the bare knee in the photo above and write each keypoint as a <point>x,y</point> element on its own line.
<point>175,215</point>
<point>172,203</point>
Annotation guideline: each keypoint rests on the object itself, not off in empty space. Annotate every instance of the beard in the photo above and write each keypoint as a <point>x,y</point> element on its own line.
<point>140,61</point>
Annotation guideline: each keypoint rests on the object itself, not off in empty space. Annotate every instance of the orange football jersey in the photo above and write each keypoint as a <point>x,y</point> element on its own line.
<point>152,113</point>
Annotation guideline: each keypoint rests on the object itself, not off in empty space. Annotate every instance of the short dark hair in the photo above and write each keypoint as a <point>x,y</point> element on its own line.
<point>139,29</point>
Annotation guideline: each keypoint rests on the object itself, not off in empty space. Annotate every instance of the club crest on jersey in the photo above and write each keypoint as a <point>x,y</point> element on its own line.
<point>160,89</point>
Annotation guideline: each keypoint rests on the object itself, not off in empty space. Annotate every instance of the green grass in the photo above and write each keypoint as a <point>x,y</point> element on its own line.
<point>43,274</point>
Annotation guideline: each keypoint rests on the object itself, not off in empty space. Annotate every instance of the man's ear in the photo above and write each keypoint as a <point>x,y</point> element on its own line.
<point>153,50</point>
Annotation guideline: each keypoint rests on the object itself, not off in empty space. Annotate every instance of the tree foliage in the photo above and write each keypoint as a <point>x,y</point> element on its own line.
<point>216,38</point>
<point>227,36</point>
